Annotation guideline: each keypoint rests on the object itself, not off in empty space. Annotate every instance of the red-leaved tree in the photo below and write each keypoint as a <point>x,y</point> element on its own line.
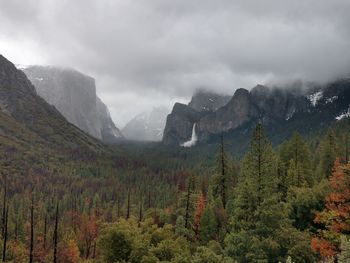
<point>335,218</point>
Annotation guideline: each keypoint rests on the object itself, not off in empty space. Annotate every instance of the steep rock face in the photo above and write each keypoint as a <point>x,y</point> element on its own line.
<point>109,132</point>
<point>238,111</point>
<point>179,124</point>
<point>208,101</point>
<point>33,115</point>
<point>147,126</point>
<point>276,105</point>
<point>74,95</point>
<point>181,120</point>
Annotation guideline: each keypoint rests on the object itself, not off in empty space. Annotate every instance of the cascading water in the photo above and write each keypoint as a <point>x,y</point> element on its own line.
<point>193,140</point>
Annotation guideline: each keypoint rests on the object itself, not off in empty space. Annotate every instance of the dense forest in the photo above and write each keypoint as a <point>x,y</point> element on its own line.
<point>287,203</point>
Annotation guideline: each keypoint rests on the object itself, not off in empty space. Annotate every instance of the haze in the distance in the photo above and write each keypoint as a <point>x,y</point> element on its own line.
<point>152,53</point>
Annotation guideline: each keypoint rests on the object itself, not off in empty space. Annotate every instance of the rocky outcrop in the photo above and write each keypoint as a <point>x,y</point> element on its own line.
<point>276,104</point>
<point>109,132</point>
<point>239,110</point>
<point>180,123</point>
<point>74,95</point>
<point>147,126</point>
<point>181,120</point>
<point>208,101</point>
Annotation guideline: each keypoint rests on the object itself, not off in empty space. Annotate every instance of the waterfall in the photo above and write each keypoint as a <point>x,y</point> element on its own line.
<point>193,139</point>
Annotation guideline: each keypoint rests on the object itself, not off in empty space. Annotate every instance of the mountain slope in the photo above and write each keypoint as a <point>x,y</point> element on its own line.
<point>74,95</point>
<point>28,120</point>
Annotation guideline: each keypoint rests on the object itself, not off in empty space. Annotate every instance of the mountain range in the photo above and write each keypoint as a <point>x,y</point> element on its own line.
<point>62,109</point>
<point>303,107</point>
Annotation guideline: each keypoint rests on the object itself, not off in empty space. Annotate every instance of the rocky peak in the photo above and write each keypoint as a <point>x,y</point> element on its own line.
<point>208,101</point>
<point>239,110</point>
<point>260,91</point>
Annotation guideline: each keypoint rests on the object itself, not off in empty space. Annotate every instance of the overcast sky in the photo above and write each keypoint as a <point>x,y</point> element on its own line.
<point>146,53</point>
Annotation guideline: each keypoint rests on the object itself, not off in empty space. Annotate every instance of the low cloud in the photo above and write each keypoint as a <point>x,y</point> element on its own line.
<point>149,53</point>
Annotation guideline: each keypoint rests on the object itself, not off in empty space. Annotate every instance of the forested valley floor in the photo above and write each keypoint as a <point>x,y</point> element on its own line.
<point>287,203</point>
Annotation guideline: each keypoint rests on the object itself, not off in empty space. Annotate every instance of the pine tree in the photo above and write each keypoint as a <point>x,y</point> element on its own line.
<point>5,234</point>
<point>180,229</point>
<point>55,236</point>
<point>328,156</point>
<point>258,215</point>
<point>128,205</point>
<point>294,163</point>
<point>140,208</point>
<point>223,176</point>
<point>223,179</point>
<point>31,245</point>
<point>208,225</point>
<point>259,166</point>
<point>190,188</point>
<point>4,205</point>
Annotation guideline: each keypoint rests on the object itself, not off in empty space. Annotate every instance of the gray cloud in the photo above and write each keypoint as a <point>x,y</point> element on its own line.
<point>154,52</point>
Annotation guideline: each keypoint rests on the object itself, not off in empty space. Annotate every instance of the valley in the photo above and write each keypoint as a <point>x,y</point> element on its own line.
<point>235,179</point>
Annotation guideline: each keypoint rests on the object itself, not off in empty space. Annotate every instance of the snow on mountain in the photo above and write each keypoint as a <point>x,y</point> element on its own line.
<point>343,115</point>
<point>315,97</point>
<point>147,126</point>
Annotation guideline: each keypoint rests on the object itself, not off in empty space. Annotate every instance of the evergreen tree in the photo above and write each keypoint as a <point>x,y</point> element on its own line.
<point>31,245</point>
<point>259,167</point>
<point>258,215</point>
<point>55,236</point>
<point>190,188</point>
<point>208,225</point>
<point>224,176</point>
<point>180,228</point>
<point>294,165</point>
<point>328,156</point>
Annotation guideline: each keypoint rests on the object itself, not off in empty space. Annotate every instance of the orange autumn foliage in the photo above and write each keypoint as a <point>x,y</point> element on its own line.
<point>88,233</point>
<point>336,216</point>
<point>325,249</point>
<point>69,252</point>
<point>200,206</point>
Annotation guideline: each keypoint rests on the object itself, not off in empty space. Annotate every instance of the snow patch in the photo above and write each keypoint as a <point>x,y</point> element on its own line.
<point>21,67</point>
<point>290,115</point>
<point>343,115</point>
<point>38,79</point>
<point>315,97</point>
<point>193,140</point>
<point>330,100</point>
